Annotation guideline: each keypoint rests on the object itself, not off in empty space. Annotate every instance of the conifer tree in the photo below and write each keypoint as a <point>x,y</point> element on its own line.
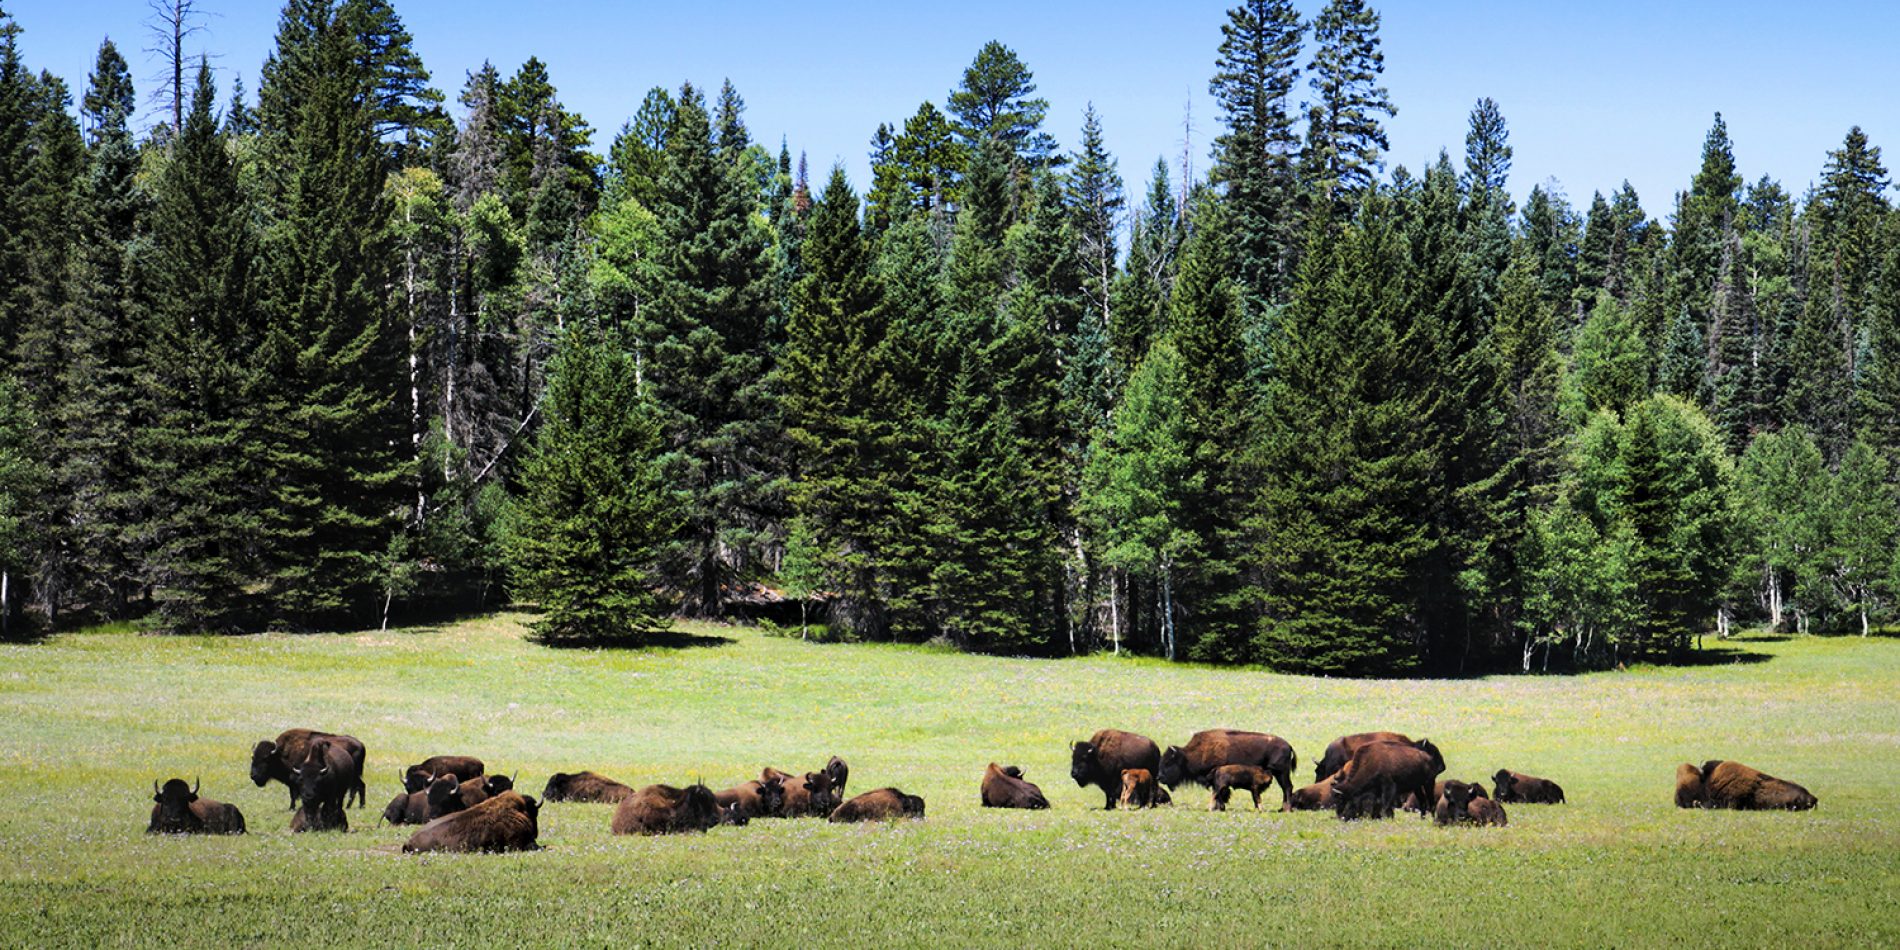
<point>1344,137</point>
<point>1147,276</point>
<point>1878,407</point>
<point>1255,74</point>
<point>596,510</point>
<point>996,100</point>
<point>1704,216</point>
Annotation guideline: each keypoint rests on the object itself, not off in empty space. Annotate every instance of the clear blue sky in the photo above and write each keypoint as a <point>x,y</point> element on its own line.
<point>1594,92</point>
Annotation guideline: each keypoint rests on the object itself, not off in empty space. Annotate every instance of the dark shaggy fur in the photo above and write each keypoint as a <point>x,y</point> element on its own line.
<point>506,822</point>
<point>177,810</point>
<point>1208,750</point>
<point>1527,789</point>
<point>882,804</point>
<point>1340,750</point>
<point>1005,787</point>
<point>1734,785</point>
<point>663,809</point>
<point>1102,760</point>
<point>584,787</point>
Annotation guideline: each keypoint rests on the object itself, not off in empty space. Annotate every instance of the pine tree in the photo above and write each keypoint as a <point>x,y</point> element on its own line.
<point>1704,216</point>
<point>1863,525</point>
<point>1344,137</point>
<point>1487,207</point>
<point>1878,409</point>
<point>709,368</point>
<point>596,509</point>
<point>1346,462</point>
<point>1140,303</point>
<point>637,159</point>
<point>1254,77</point>
<point>200,455</point>
<point>1674,490</point>
<point>329,417</point>
<point>19,475</point>
<point>996,100</point>
<point>1095,194</point>
<point>1679,368</point>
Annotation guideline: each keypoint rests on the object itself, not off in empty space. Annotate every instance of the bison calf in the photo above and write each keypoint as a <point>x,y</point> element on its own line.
<point>1210,749</point>
<point>506,822</point>
<point>177,810</point>
<point>1734,785</point>
<point>1102,760</point>
<point>584,787</point>
<point>1250,778</point>
<point>1526,789</point>
<point>663,810</point>
<point>1138,788</point>
<point>1312,797</point>
<point>1005,787</point>
<point>883,804</point>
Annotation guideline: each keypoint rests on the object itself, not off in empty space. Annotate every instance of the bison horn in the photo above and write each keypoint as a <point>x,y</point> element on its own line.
<point>155,788</point>
<point>196,780</point>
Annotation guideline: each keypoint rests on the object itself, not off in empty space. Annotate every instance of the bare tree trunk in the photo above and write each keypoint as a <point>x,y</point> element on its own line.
<point>415,384</point>
<point>6,605</point>
<point>1114,610</point>
<point>1167,608</point>
<point>172,21</point>
<point>1863,620</point>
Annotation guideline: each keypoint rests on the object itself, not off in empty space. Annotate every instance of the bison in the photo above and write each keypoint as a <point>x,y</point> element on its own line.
<point>1484,811</point>
<point>1207,751</point>
<point>177,810</point>
<point>839,772</point>
<point>1689,790</point>
<point>1249,778</point>
<point>759,798</point>
<point>279,759</point>
<point>1734,785</point>
<point>506,822</point>
<point>416,777</point>
<point>1101,761</point>
<point>1340,750</point>
<point>1005,787</point>
<point>882,804</point>
<point>1138,788</point>
<point>1413,804</point>
<point>1381,774</point>
<point>324,782</point>
<point>1312,797</point>
<point>809,794</point>
<point>1527,789</point>
<point>1454,801</point>
<point>663,810</point>
<point>584,787</point>
<point>409,807</point>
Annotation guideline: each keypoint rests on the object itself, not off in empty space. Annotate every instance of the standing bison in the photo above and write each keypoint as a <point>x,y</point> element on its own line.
<point>839,772</point>
<point>177,810</point>
<point>665,810</point>
<point>884,804</point>
<point>325,780</point>
<point>1526,789</point>
<point>1340,750</point>
<point>1209,750</point>
<point>1138,789</point>
<point>1249,778</point>
<point>507,822</point>
<point>1102,760</point>
<point>279,759</point>
<point>1381,774</point>
<point>584,787</point>
<point>1734,785</point>
<point>1005,787</point>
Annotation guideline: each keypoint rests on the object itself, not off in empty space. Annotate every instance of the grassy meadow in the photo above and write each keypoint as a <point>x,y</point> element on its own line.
<point>91,719</point>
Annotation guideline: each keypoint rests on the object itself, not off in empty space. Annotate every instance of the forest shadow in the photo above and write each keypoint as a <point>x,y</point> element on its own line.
<point>669,640</point>
<point>1723,655</point>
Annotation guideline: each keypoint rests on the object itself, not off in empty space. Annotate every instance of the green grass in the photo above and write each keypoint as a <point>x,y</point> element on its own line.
<point>91,719</point>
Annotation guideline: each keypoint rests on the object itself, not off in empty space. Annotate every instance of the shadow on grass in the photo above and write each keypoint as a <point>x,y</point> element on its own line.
<point>1725,656</point>
<point>665,640</point>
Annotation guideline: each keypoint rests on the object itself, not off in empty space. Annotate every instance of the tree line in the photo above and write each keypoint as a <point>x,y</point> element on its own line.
<point>301,361</point>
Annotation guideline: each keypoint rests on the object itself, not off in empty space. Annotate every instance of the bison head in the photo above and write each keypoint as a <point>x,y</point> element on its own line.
<point>556,788</point>
<point>1459,795</point>
<point>913,805</point>
<point>1012,771</point>
<point>1173,767</point>
<point>823,797</point>
<point>1082,761</point>
<point>415,780</point>
<point>839,772</point>
<point>700,807</point>
<point>771,795</point>
<point>398,807</point>
<point>261,756</point>
<point>734,815</point>
<point>1505,784</point>
<point>174,805</point>
<point>1438,761</point>
<point>445,794</point>
<point>494,785</point>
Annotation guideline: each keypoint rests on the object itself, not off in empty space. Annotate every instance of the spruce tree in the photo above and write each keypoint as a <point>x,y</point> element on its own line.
<point>1255,73</point>
<point>1344,137</point>
<point>996,100</point>
<point>1704,216</point>
<point>1878,407</point>
<point>596,509</point>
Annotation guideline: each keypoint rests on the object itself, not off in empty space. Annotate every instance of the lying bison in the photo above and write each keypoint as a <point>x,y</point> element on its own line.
<point>839,772</point>
<point>665,810</point>
<point>506,822</point>
<point>278,759</point>
<point>1102,760</point>
<point>1207,751</point>
<point>759,798</point>
<point>1380,775</point>
<point>1005,787</point>
<point>412,807</point>
<point>1247,778</point>
<point>1312,797</point>
<point>584,787</point>
<point>416,777</point>
<point>882,804</point>
<point>1463,803</point>
<point>1526,789</point>
<point>809,795</point>
<point>1689,790</point>
<point>1340,750</point>
<point>1138,789</point>
<point>177,810</point>
<point>1734,785</point>
<point>1413,803</point>
<point>328,775</point>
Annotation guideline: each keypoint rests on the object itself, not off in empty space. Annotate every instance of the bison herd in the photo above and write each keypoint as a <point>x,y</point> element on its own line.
<point>460,806</point>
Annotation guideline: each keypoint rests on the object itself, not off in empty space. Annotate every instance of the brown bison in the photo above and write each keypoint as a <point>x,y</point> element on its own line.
<point>414,808</point>
<point>471,792</point>
<point>1340,750</point>
<point>416,777</point>
<point>1138,788</point>
<point>584,787</point>
<point>1209,750</point>
<point>665,810</point>
<point>1381,774</point>
<point>506,822</point>
<point>1005,787</point>
<point>1312,797</point>
<point>1249,778</point>
<point>810,794</point>
<point>325,780</point>
<point>759,798</point>
<point>1689,790</point>
<point>1484,811</point>
<point>1102,760</point>
<point>882,804</point>
<point>1412,803</point>
<point>277,760</point>
<point>1454,801</point>
<point>177,810</point>
<point>839,772</point>
<point>1526,789</point>
<point>1734,785</point>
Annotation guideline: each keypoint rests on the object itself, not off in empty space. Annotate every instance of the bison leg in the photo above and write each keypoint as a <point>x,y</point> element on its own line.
<point>1256,799</point>
<point>1220,800</point>
<point>1110,794</point>
<point>1285,780</point>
